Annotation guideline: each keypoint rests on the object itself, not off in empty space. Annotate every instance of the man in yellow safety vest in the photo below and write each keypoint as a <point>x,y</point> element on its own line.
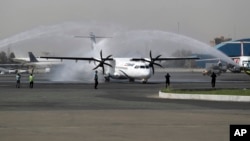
<point>31,80</point>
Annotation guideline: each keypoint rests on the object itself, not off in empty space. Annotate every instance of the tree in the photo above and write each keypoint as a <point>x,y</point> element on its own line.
<point>10,57</point>
<point>3,57</point>
<point>6,59</point>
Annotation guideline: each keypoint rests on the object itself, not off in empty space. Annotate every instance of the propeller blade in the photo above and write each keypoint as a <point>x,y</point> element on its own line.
<point>108,65</point>
<point>153,69</point>
<point>152,61</point>
<point>149,61</point>
<point>157,64</point>
<point>102,62</point>
<point>103,71</point>
<point>150,54</point>
<point>96,67</point>
<point>156,58</point>
<point>101,54</point>
<point>108,57</point>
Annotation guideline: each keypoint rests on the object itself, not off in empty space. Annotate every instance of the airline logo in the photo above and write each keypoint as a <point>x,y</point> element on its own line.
<point>129,64</point>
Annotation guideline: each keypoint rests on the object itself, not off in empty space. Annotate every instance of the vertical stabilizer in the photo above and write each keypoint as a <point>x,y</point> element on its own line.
<point>32,57</point>
<point>93,40</point>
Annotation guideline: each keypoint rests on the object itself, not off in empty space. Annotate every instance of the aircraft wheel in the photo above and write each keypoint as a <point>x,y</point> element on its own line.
<point>107,79</point>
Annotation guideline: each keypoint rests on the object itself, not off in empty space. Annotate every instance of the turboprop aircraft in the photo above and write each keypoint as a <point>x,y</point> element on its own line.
<point>125,68</point>
<point>29,65</point>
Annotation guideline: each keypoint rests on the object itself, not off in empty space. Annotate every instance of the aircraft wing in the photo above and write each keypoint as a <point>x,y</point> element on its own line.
<point>210,59</point>
<point>76,58</point>
<point>71,58</point>
<point>178,58</point>
<point>166,58</point>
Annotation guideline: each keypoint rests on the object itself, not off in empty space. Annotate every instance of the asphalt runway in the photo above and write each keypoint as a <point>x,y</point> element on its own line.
<point>118,111</point>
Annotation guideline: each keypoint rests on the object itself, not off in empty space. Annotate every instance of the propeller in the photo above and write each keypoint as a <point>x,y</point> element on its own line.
<point>152,61</point>
<point>102,62</point>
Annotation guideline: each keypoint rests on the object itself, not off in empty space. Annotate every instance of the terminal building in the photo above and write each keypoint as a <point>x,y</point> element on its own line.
<point>238,50</point>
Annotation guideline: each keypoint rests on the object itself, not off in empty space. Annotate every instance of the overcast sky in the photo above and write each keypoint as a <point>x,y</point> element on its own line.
<point>199,19</point>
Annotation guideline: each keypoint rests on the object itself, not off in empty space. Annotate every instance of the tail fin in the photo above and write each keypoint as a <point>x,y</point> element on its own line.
<point>32,57</point>
<point>93,40</point>
<point>92,37</point>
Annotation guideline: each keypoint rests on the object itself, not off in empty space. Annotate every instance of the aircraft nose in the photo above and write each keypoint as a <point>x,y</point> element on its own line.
<point>146,73</point>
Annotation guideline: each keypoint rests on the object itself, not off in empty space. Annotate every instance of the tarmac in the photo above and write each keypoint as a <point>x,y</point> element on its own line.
<point>118,111</point>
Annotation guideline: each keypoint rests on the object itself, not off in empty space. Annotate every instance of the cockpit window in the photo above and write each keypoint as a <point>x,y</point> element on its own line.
<point>142,67</point>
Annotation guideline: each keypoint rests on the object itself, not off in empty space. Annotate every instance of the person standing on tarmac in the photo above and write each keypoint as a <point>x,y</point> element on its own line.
<point>96,79</point>
<point>31,80</point>
<point>167,76</point>
<point>18,80</point>
<point>213,79</point>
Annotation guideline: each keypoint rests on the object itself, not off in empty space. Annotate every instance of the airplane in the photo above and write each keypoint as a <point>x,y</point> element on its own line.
<point>217,68</point>
<point>33,61</point>
<point>29,65</point>
<point>126,68</point>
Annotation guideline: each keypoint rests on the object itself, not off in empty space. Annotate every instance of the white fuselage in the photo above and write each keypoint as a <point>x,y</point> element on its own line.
<point>124,68</point>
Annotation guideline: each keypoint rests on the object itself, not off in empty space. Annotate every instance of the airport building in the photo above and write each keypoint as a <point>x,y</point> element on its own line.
<point>238,50</point>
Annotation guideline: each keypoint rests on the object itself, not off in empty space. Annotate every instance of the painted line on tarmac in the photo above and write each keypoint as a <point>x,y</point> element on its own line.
<point>205,97</point>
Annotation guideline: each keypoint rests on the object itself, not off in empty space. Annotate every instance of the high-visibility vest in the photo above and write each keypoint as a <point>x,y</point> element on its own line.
<point>31,78</point>
<point>18,77</point>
